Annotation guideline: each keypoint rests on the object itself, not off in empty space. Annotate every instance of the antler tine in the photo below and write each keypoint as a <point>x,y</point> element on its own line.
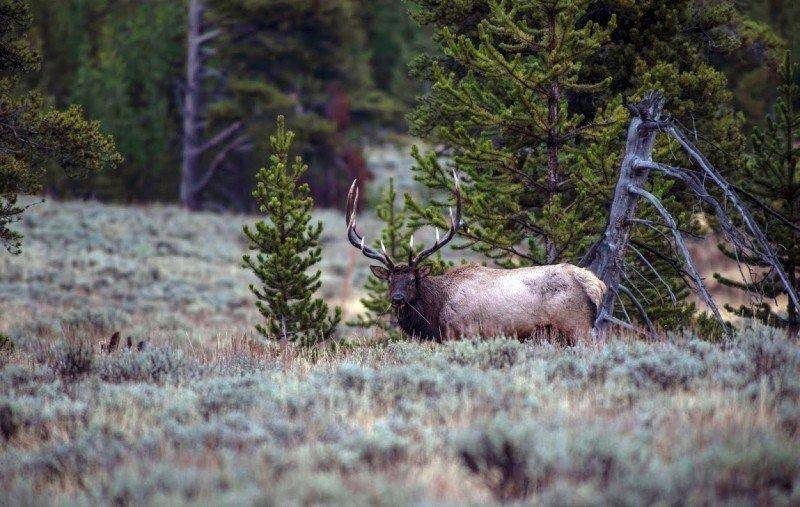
<point>455,222</point>
<point>352,198</point>
<point>356,239</point>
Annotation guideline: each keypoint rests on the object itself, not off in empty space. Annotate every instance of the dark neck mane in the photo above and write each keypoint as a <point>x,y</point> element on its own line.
<point>420,319</point>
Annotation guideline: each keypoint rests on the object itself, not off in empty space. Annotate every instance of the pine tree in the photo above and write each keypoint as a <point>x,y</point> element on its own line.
<point>304,59</point>
<point>507,116</point>
<point>394,237</point>
<point>120,60</point>
<point>33,135</point>
<point>529,98</point>
<point>773,178</point>
<point>288,246</point>
<point>393,38</point>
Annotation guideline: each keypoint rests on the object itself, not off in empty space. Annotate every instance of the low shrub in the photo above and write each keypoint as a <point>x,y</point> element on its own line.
<point>619,423</point>
<point>663,366</point>
<point>380,448</point>
<point>565,461</point>
<point>354,377</point>
<point>6,344</point>
<point>217,396</point>
<point>762,470</point>
<point>103,320</point>
<point>73,358</point>
<point>8,424</point>
<point>496,353</point>
<point>512,460</point>
<point>149,365</point>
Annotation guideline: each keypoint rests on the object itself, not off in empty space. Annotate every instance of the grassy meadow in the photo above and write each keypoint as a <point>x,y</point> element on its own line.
<point>207,412</point>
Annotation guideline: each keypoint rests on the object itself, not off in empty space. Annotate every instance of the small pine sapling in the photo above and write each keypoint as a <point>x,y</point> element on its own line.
<point>394,238</point>
<point>288,246</point>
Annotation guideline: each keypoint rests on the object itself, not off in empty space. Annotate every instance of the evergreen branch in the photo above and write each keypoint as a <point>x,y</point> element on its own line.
<point>655,272</point>
<point>766,208</point>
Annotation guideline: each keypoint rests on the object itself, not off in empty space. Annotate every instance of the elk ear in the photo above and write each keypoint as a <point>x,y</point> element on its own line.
<point>424,270</point>
<point>380,272</point>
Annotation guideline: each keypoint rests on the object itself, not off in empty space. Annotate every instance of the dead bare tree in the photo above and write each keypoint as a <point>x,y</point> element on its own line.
<point>607,257</point>
<point>195,176</point>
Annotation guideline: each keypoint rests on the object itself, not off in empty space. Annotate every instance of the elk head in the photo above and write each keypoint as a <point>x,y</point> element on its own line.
<point>404,279</point>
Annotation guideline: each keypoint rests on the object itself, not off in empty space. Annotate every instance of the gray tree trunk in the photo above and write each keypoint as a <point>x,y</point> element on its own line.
<point>606,257</point>
<point>192,103</point>
<point>196,170</point>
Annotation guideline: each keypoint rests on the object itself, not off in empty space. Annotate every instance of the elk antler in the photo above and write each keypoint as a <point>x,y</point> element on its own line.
<point>356,239</point>
<point>455,222</point>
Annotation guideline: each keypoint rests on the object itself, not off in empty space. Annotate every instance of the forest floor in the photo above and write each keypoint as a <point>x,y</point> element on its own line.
<point>207,412</point>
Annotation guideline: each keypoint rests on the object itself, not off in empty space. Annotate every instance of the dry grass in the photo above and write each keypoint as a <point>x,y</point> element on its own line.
<point>465,422</point>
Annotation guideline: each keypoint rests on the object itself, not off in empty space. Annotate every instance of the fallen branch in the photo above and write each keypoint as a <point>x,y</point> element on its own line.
<point>752,226</point>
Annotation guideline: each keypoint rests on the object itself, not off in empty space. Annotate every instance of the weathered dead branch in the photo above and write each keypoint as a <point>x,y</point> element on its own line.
<point>607,257</point>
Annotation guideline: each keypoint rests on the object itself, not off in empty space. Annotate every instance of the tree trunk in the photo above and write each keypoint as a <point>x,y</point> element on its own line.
<point>605,259</point>
<point>553,145</point>
<point>191,170</point>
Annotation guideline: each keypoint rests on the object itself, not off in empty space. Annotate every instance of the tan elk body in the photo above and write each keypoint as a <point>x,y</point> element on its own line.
<point>472,300</point>
<point>475,300</point>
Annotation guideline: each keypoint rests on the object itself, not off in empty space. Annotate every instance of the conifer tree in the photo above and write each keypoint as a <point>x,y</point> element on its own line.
<point>120,60</point>
<point>394,237</point>
<point>33,135</point>
<point>529,100</point>
<point>506,115</point>
<point>288,246</point>
<point>301,58</point>
<point>772,177</point>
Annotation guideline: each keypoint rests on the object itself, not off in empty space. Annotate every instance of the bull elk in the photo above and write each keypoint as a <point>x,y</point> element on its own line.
<point>471,300</point>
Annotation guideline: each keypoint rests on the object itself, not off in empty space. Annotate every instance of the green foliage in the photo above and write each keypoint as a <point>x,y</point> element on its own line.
<point>317,68</point>
<point>707,327</point>
<point>782,15</point>
<point>772,175</point>
<point>393,38</point>
<point>529,95</point>
<point>121,60</point>
<point>33,134</point>
<point>317,41</point>
<point>124,61</point>
<point>395,237</point>
<point>507,116</point>
<point>287,245</point>
<point>751,72</point>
